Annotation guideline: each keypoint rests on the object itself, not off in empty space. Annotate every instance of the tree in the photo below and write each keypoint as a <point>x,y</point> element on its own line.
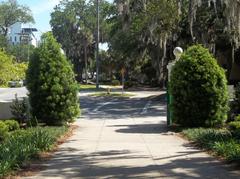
<point>212,23</point>
<point>11,12</point>
<point>76,18</point>
<point>21,52</point>
<point>143,30</point>
<point>3,42</point>
<point>51,84</point>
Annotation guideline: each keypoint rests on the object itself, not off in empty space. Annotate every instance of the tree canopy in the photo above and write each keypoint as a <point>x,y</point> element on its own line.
<point>11,12</point>
<point>74,26</point>
<point>141,34</point>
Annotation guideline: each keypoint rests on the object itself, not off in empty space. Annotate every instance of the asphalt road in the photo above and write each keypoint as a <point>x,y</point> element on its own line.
<point>8,94</point>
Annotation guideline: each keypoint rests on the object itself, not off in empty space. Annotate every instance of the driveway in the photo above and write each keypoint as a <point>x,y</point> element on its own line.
<point>128,138</point>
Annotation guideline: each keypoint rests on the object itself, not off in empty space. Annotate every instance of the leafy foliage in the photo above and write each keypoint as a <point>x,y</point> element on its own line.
<point>76,18</point>
<point>23,145</point>
<point>21,52</point>
<point>11,12</point>
<point>3,130</point>
<point>6,70</point>
<point>140,33</point>
<point>199,89</point>
<point>12,124</point>
<point>19,109</point>
<point>51,84</point>
<point>116,83</point>
<point>10,70</point>
<point>220,141</point>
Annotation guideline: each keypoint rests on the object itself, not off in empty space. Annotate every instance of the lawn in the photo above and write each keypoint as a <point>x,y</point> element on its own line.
<point>89,87</point>
<point>112,94</point>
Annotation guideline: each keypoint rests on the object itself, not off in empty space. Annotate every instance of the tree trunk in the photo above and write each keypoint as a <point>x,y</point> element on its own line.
<point>78,69</point>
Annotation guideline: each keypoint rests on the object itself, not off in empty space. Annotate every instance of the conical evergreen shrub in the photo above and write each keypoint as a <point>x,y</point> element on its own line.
<point>199,89</point>
<point>51,84</point>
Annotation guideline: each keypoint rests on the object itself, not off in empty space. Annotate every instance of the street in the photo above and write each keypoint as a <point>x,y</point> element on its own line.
<point>8,94</point>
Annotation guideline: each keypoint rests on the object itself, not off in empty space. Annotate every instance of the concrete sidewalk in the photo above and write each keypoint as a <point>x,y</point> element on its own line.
<point>135,146</point>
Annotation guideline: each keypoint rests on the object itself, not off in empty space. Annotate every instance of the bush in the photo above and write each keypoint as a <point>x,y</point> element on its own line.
<point>234,127</point>
<point>6,68</point>
<point>19,109</point>
<point>3,130</point>
<point>12,125</point>
<point>51,84</point>
<point>10,70</point>
<point>199,89</point>
<point>129,84</point>
<point>116,82</point>
<point>20,71</point>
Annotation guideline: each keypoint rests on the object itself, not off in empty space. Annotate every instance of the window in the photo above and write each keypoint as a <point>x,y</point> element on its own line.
<point>15,39</point>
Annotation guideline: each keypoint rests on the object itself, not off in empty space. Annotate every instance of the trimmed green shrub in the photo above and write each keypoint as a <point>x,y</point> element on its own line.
<point>51,84</point>
<point>199,89</point>
<point>116,82</point>
<point>12,125</point>
<point>3,130</point>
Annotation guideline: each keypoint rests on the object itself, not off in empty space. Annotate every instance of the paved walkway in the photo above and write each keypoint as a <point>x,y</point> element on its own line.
<point>128,138</point>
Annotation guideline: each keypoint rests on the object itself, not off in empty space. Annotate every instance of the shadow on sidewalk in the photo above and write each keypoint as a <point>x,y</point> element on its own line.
<point>143,128</point>
<point>127,164</point>
<point>118,108</point>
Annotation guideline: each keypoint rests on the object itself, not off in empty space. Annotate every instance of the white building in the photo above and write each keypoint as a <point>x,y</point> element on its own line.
<point>20,33</point>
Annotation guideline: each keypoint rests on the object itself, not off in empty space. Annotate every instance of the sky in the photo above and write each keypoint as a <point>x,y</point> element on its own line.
<point>41,11</point>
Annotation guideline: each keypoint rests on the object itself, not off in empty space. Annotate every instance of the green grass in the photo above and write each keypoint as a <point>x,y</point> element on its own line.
<point>88,87</point>
<point>112,94</point>
<point>24,145</point>
<point>219,141</point>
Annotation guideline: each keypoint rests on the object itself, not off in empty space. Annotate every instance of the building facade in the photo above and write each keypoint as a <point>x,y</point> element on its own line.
<point>20,33</point>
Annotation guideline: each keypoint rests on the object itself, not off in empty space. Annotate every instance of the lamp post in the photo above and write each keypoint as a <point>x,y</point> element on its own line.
<point>177,52</point>
<point>97,47</point>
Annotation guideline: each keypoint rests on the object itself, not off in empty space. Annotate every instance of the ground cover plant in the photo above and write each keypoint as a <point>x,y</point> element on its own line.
<point>24,145</point>
<point>219,141</point>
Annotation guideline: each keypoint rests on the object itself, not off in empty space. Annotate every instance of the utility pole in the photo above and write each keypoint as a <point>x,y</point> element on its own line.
<point>97,48</point>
